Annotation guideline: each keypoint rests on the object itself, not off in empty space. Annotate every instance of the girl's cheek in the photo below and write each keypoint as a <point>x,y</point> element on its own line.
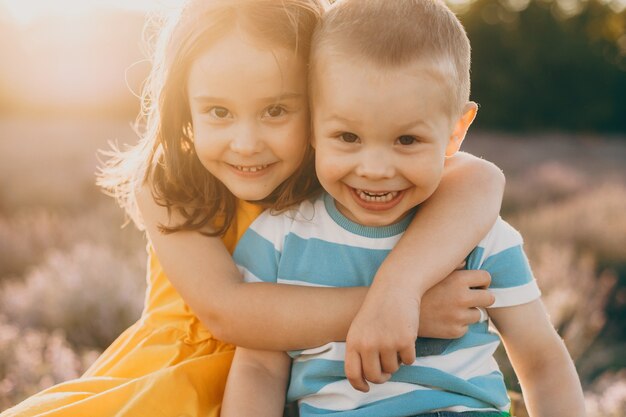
<point>199,145</point>
<point>299,137</point>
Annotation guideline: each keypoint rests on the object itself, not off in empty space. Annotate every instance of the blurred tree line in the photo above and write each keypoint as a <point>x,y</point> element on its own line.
<point>537,64</point>
<point>548,65</point>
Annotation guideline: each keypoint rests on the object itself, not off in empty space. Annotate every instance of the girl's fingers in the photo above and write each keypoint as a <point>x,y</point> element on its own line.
<point>473,315</point>
<point>478,279</point>
<point>482,298</point>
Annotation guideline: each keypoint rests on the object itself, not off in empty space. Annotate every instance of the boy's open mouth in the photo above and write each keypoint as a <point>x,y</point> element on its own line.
<point>376,200</point>
<point>376,197</point>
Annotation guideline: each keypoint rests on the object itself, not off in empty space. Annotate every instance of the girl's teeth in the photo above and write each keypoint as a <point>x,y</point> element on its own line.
<point>250,169</point>
<point>376,197</point>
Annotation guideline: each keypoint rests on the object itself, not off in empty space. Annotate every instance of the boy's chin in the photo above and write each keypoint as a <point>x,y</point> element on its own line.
<point>380,219</point>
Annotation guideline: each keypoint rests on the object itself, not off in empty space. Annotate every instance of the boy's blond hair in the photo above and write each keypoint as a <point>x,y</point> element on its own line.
<point>394,33</point>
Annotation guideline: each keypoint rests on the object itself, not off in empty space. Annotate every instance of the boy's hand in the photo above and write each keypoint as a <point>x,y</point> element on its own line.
<point>381,337</point>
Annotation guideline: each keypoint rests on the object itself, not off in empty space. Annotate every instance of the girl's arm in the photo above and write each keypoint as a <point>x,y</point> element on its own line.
<point>257,383</point>
<point>447,227</point>
<point>545,370</point>
<point>285,317</point>
<point>252,315</point>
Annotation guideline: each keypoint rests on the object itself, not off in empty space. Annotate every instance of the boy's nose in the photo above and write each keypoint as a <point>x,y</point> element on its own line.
<point>374,164</point>
<point>246,140</point>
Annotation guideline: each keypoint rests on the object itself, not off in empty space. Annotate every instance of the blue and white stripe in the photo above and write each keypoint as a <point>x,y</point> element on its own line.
<point>315,245</point>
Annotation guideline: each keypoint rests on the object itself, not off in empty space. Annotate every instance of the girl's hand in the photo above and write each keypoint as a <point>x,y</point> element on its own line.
<point>448,308</point>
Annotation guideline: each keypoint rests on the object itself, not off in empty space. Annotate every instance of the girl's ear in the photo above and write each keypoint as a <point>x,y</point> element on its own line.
<point>460,128</point>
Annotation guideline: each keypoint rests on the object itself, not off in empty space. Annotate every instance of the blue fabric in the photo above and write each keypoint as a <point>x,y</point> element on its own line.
<point>316,245</point>
<point>463,414</point>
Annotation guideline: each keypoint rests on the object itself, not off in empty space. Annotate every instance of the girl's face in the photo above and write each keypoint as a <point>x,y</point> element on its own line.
<point>250,114</point>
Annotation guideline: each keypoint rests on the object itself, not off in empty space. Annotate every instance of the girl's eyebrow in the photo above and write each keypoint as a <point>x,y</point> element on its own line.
<point>273,99</point>
<point>285,96</point>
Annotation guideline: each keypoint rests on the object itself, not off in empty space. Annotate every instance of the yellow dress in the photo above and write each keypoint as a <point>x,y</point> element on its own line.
<point>166,364</point>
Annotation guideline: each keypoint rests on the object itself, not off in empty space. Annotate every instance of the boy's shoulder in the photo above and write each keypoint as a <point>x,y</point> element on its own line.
<point>304,212</point>
<point>501,253</point>
<point>501,236</point>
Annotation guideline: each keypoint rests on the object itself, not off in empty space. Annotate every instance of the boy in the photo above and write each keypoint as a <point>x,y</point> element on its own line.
<point>390,91</point>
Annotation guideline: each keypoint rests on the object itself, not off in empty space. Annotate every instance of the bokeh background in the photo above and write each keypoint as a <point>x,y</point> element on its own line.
<point>550,78</point>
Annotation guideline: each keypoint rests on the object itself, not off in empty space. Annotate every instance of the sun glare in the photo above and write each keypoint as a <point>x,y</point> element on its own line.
<point>25,11</point>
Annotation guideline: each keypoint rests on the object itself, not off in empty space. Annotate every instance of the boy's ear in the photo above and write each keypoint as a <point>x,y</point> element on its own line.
<point>460,128</point>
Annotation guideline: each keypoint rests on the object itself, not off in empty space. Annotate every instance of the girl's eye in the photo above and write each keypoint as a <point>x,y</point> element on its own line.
<point>275,111</point>
<point>407,140</point>
<point>219,112</point>
<point>349,137</point>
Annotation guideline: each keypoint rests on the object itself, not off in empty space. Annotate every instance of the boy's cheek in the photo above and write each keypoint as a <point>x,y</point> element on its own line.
<point>329,166</point>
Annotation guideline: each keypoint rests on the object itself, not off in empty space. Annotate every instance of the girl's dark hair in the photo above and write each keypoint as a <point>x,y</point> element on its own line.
<point>165,157</point>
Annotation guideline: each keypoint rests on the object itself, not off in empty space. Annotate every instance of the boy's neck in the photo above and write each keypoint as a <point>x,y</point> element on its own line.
<point>383,231</point>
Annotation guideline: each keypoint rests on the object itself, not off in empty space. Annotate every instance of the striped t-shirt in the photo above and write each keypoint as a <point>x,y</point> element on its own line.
<point>316,245</point>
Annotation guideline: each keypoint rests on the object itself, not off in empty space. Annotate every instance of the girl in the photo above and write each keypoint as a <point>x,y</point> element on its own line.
<point>227,123</point>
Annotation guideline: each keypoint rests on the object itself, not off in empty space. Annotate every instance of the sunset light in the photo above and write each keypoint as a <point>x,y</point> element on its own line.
<point>182,111</point>
<point>65,53</point>
<point>25,11</point>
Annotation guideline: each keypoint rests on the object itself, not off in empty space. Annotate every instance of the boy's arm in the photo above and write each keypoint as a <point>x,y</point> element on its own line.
<point>257,384</point>
<point>545,370</point>
<point>445,229</point>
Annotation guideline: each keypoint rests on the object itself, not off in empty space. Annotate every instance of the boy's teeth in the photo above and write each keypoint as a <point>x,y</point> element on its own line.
<point>250,169</point>
<point>376,197</point>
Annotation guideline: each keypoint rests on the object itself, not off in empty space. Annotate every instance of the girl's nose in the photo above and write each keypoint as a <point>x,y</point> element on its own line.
<point>246,140</point>
<point>374,164</point>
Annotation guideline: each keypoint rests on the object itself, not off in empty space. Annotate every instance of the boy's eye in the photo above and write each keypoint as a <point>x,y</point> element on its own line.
<point>349,137</point>
<point>275,111</point>
<point>219,112</point>
<point>406,140</point>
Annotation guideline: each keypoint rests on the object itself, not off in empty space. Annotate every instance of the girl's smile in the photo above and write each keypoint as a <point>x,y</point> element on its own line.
<point>252,171</point>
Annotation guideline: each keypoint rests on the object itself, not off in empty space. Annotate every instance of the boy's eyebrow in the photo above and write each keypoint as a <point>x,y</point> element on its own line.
<point>340,118</point>
<point>285,96</point>
<point>414,124</point>
<point>407,126</point>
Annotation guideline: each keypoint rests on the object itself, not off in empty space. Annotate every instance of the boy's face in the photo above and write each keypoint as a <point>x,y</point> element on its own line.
<point>381,137</point>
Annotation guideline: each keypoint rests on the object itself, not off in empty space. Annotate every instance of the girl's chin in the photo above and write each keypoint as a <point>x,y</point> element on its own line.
<point>251,196</point>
